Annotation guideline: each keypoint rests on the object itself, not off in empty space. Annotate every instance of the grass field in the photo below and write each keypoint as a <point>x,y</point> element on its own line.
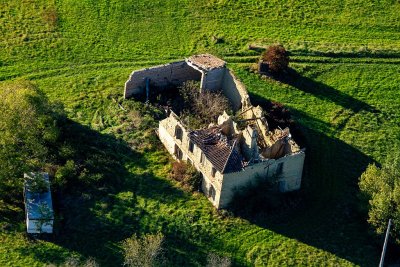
<point>343,92</point>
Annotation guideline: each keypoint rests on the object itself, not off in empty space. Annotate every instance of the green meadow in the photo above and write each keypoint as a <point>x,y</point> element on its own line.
<point>343,93</point>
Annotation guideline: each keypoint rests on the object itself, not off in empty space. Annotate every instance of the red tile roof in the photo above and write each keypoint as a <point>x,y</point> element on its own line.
<point>221,152</point>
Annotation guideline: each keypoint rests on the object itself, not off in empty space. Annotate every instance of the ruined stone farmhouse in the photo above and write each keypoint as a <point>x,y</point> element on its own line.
<point>228,158</point>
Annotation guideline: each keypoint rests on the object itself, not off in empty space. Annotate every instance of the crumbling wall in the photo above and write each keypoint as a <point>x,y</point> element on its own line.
<point>166,133</point>
<point>288,179</point>
<point>173,73</point>
<point>235,91</point>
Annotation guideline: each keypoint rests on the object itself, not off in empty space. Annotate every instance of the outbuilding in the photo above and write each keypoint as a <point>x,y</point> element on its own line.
<point>38,203</point>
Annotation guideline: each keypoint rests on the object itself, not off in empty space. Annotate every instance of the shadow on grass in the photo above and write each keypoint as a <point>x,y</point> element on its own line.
<point>100,206</point>
<point>323,91</point>
<point>361,54</point>
<point>326,214</point>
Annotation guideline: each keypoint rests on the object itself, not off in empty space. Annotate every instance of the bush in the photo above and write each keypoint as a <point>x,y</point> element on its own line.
<point>201,108</point>
<point>214,260</point>
<point>146,251</point>
<point>75,262</point>
<point>277,58</point>
<point>66,173</point>
<point>186,175</point>
<point>380,195</point>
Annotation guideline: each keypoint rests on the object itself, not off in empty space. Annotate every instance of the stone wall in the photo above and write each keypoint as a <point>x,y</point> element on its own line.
<point>235,91</point>
<point>226,184</point>
<point>212,80</point>
<point>166,132</point>
<point>173,73</point>
<point>290,177</point>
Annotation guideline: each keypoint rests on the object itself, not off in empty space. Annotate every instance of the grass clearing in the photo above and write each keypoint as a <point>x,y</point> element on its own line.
<point>343,94</point>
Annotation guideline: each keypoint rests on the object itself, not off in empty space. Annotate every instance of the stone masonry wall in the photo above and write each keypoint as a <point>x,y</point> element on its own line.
<point>173,73</point>
<point>290,178</point>
<point>166,132</point>
<point>235,91</point>
<point>212,80</point>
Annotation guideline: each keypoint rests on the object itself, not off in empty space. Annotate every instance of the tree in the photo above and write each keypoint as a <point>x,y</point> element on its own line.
<point>146,251</point>
<point>277,58</point>
<point>380,195</point>
<point>28,130</point>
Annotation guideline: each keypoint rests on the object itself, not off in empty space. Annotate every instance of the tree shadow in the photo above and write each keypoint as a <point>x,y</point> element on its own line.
<point>325,214</point>
<point>361,54</point>
<point>323,91</point>
<point>99,206</point>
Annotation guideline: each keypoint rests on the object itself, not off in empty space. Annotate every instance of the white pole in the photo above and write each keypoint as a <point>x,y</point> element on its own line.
<point>385,244</point>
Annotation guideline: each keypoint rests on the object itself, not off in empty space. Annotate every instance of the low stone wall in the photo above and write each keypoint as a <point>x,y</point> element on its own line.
<point>173,73</point>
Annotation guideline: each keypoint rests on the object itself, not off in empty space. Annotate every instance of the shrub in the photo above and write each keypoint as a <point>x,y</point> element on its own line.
<point>380,195</point>
<point>277,58</point>
<point>75,262</point>
<point>278,115</point>
<point>186,175</point>
<point>146,251</point>
<point>66,173</point>
<point>214,260</point>
<point>201,108</point>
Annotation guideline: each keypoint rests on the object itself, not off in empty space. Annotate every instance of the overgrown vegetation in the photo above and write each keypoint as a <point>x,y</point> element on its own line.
<point>380,194</point>
<point>37,183</point>
<point>214,260</point>
<point>188,177</point>
<point>146,251</point>
<point>28,133</point>
<point>201,108</point>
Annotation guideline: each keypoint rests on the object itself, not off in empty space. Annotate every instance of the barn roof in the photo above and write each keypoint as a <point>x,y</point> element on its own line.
<point>206,61</point>
<point>221,152</point>
<point>34,201</point>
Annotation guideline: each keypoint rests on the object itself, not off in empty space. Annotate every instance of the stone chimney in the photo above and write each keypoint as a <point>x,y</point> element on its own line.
<point>249,146</point>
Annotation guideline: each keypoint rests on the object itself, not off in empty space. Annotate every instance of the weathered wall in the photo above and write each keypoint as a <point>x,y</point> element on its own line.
<point>212,80</point>
<point>235,91</point>
<point>290,178</point>
<point>226,184</point>
<point>173,73</point>
<point>166,132</point>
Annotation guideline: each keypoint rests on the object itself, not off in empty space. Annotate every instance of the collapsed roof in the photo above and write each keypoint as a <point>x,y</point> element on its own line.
<point>219,150</point>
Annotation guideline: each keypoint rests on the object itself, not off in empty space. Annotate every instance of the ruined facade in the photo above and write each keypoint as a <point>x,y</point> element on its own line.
<point>227,157</point>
